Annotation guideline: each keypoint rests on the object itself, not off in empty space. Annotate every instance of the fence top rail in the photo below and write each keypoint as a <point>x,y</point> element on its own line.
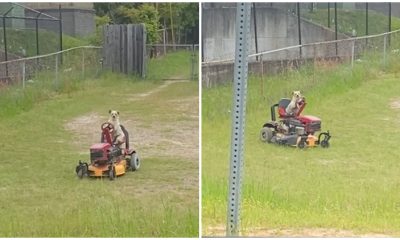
<point>303,45</point>
<point>50,54</point>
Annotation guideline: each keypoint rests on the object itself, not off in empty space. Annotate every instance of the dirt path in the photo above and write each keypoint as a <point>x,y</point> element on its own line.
<point>220,231</point>
<point>177,139</point>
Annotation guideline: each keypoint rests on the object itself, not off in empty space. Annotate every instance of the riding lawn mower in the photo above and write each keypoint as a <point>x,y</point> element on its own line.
<point>294,129</point>
<point>108,159</point>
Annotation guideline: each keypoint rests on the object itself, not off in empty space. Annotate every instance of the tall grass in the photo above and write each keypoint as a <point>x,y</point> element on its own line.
<point>352,185</point>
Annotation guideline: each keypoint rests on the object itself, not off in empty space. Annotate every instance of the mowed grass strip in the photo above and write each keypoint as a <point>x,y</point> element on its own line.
<point>40,195</point>
<point>354,185</point>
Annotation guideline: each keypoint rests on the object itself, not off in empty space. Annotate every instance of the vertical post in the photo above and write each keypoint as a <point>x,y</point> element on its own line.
<point>243,12</point>
<point>37,33</point>
<point>56,72</point>
<point>384,50</point>
<point>5,44</point>
<point>60,28</point>
<point>390,21</point>
<point>262,77</point>
<point>165,47</point>
<point>336,23</point>
<point>298,27</point>
<point>352,53</point>
<point>193,63</point>
<point>23,74</point>
<point>255,28</point>
<point>366,21</point>
<point>329,15</point>
<point>83,63</point>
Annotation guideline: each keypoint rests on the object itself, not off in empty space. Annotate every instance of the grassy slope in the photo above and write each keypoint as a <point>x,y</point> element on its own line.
<point>48,41</point>
<point>353,185</point>
<point>40,194</point>
<point>349,20</point>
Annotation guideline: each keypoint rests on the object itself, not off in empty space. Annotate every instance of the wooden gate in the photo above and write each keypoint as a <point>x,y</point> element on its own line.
<point>124,48</point>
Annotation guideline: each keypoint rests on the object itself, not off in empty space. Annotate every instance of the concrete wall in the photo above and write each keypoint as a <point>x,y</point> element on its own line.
<point>276,28</point>
<point>76,22</point>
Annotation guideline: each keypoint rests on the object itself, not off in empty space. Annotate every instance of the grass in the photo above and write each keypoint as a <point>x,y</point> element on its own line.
<point>40,193</point>
<point>179,66</point>
<point>19,39</point>
<point>355,19</point>
<point>351,186</point>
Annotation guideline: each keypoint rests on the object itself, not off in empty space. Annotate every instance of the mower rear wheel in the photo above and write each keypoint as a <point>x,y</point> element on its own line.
<point>266,134</point>
<point>134,162</point>
<point>301,144</point>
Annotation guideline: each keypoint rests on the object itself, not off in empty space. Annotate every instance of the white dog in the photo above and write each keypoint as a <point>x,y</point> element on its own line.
<point>293,106</point>
<point>118,135</point>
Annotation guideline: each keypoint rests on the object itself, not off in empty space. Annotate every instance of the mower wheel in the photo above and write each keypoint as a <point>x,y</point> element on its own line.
<point>266,134</point>
<point>111,173</point>
<point>134,163</point>
<point>301,144</point>
<point>324,144</point>
<point>81,170</point>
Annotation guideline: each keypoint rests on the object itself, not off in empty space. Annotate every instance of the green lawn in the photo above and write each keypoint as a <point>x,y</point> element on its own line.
<point>352,186</point>
<point>44,136</point>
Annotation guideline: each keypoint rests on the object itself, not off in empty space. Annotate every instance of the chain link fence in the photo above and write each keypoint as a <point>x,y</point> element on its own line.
<point>381,48</point>
<point>55,70</point>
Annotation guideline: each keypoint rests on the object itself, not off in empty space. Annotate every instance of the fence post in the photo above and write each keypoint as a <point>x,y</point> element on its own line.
<point>23,74</point>
<point>193,63</point>
<point>56,72</point>
<point>384,50</point>
<point>83,63</point>
<point>352,53</point>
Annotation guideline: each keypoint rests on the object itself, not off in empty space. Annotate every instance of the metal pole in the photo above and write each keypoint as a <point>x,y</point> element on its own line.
<point>83,63</point>
<point>384,50</point>
<point>56,71</point>
<point>60,27</point>
<point>243,16</point>
<point>5,44</point>
<point>23,74</point>
<point>5,39</point>
<point>255,28</point>
<point>193,63</point>
<point>298,27</point>
<point>366,21</point>
<point>37,34</point>
<point>329,15</point>
<point>352,53</point>
<point>336,23</point>
<point>390,20</point>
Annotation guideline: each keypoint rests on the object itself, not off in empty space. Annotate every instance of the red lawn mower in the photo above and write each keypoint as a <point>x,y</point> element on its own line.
<point>108,159</point>
<point>294,130</point>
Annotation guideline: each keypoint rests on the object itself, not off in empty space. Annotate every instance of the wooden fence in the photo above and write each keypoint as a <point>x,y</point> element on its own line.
<point>124,48</point>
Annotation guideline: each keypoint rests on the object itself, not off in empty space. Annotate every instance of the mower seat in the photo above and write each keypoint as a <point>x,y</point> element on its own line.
<point>283,103</point>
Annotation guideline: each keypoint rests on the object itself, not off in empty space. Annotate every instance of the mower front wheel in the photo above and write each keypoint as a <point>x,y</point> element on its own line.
<point>134,162</point>
<point>324,144</point>
<point>81,170</point>
<point>266,134</point>
<point>111,173</point>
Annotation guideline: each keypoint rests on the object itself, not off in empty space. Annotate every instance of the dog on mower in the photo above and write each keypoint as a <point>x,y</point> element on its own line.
<point>294,105</point>
<point>118,136</point>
